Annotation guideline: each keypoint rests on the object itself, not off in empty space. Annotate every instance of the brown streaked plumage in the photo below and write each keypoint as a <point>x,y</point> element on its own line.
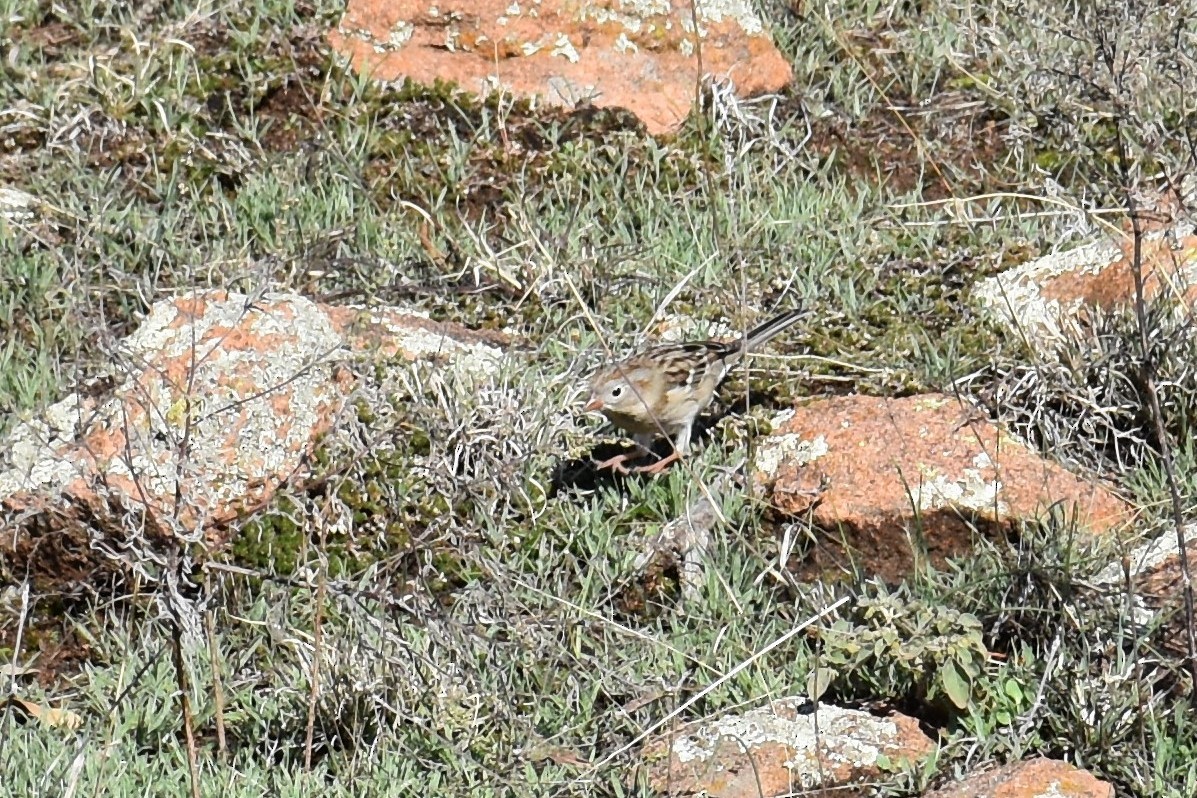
<point>662,390</point>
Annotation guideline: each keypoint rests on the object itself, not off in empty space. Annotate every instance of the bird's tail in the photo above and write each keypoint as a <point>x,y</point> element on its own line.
<point>760,335</point>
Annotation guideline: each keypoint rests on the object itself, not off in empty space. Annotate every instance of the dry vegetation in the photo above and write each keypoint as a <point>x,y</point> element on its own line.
<point>476,612</point>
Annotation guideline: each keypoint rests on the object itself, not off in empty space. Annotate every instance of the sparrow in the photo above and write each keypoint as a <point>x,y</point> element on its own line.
<point>661,390</point>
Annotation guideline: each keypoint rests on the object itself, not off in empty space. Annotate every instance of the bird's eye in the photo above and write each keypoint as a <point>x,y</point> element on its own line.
<point>617,391</point>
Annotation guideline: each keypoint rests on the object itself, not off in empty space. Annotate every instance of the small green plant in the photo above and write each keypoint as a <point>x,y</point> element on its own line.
<point>897,645</point>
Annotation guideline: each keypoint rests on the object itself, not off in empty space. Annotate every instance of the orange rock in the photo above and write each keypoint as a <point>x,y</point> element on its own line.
<point>874,472</point>
<point>1153,573</point>
<point>640,56</point>
<point>219,400</point>
<point>1029,779</point>
<point>1048,294</point>
<point>778,750</point>
<point>1170,266</point>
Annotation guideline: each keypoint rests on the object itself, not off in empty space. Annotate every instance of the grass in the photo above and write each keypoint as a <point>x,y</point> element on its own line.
<point>484,636</point>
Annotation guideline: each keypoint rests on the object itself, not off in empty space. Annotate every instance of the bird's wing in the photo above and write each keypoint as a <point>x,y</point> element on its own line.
<point>688,364</point>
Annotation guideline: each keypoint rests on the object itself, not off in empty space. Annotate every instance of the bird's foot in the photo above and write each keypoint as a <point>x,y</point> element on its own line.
<point>616,463</point>
<point>659,466</point>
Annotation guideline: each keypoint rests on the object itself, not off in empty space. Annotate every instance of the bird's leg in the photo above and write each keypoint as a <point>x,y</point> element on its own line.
<point>681,444</point>
<point>616,463</point>
<point>680,447</point>
<point>659,466</point>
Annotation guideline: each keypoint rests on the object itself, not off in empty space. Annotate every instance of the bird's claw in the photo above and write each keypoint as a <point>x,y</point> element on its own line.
<point>659,466</point>
<point>615,463</point>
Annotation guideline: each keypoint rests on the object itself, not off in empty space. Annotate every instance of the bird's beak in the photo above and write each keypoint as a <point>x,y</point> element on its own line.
<point>594,404</point>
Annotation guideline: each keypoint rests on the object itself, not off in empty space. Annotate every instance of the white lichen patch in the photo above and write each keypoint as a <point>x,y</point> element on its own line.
<point>289,317</point>
<point>400,34</point>
<point>983,460</point>
<point>631,15</point>
<point>625,45</point>
<point>740,11</point>
<point>636,15</point>
<point>689,27</point>
<point>841,736</point>
<point>417,342</point>
<point>777,450</point>
<point>565,48</point>
<point>972,490</point>
<point>16,205</point>
<point>1016,295</point>
<point>32,449</point>
<point>782,418</point>
<point>646,8</point>
<point>1146,558</point>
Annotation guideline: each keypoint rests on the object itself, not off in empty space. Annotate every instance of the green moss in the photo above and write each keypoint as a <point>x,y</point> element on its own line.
<point>272,542</point>
<point>452,570</point>
<point>275,542</point>
<point>1053,160</point>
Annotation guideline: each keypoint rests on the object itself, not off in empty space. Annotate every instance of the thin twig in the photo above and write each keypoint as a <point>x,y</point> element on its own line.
<point>217,682</point>
<point>176,639</point>
<point>1148,375</point>
<point>1148,368</point>
<point>317,624</point>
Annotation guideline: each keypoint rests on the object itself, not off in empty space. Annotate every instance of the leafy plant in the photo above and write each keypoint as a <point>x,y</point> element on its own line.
<point>905,647</point>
